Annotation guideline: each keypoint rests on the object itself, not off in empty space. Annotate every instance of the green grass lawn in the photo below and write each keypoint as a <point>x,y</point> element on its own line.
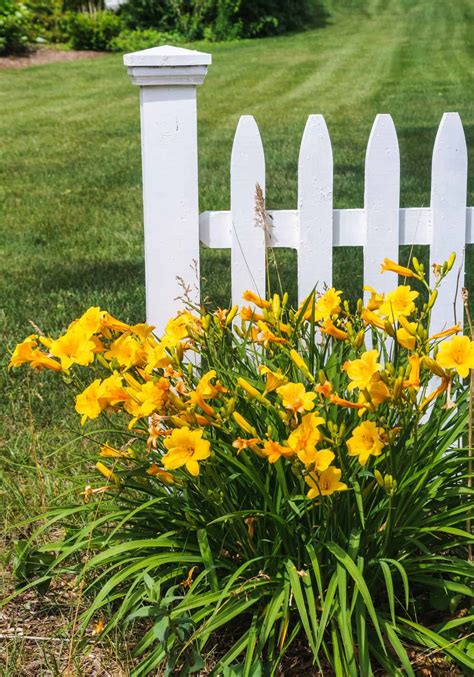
<point>70,180</point>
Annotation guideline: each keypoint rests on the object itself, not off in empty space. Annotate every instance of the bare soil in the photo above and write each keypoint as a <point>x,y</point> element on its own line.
<point>45,55</point>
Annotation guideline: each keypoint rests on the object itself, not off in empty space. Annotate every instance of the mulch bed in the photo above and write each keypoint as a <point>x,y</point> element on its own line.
<point>45,55</point>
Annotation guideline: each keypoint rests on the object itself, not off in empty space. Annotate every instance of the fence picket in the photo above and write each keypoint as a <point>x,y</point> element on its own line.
<point>382,202</point>
<point>248,237</point>
<point>448,206</point>
<point>315,207</point>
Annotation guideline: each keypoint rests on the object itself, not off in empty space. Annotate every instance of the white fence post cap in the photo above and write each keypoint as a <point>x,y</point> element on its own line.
<point>167,65</point>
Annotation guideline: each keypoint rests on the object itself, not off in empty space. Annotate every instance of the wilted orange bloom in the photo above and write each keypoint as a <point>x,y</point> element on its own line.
<point>370,317</point>
<point>241,444</point>
<point>250,314</point>
<point>433,395</point>
<point>164,476</point>
<point>274,379</point>
<point>446,332</point>
<point>375,300</point>
<point>393,267</point>
<point>90,491</point>
<point>256,299</point>
<point>324,389</point>
<point>274,451</point>
<point>328,327</point>
<point>264,335</point>
<point>341,402</point>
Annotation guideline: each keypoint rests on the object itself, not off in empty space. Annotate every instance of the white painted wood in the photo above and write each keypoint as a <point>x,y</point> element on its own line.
<point>166,55</point>
<point>348,227</point>
<point>448,206</point>
<point>170,176</point>
<point>315,198</point>
<point>247,169</point>
<point>382,202</point>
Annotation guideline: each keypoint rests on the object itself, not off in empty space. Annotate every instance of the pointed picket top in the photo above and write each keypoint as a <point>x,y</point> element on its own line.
<point>448,208</point>
<point>382,202</point>
<point>315,207</point>
<point>247,169</point>
<point>167,55</point>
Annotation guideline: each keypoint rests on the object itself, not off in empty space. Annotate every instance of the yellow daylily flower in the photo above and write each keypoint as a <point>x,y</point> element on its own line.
<point>362,370</point>
<point>399,301</point>
<point>457,354</point>
<point>328,305</point>
<point>186,447</point>
<point>325,483</point>
<point>74,347</point>
<point>366,441</point>
<point>307,435</point>
<point>88,402</point>
<point>393,267</point>
<point>295,397</point>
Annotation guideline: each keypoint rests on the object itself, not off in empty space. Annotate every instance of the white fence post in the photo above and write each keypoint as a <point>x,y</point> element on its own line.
<point>247,169</point>
<point>315,207</point>
<point>167,77</point>
<point>382,203</point>
<point>448,207</point>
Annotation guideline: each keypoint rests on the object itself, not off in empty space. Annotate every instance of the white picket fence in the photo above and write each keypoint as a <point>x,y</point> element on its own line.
<point>167,78</point>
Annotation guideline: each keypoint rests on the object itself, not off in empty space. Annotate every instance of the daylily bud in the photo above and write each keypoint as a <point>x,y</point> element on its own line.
<point>232,313</point>
<point>389,328</point>
<point>398,388</point>
<point>322,377</point>
<point>284,301</point>
<point>301,364</point>
<point>450,261</point>
<point>276,305</point>
<point>432,299</point>
<point>379,478</point>
<point>206,322</point>
<point>244,424</point>
<point>433,367</point>
<point>251,391</point>
<point>230,406</point>
<point>359,339</point>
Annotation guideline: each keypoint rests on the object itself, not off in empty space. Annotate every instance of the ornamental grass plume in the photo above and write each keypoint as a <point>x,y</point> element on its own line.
<point>304,484</point>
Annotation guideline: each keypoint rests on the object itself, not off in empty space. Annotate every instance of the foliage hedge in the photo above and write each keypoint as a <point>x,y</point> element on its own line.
<point>223,19</point>
<point>15,27</point>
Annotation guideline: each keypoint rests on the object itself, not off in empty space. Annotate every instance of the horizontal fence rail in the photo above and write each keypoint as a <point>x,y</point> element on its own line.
<point>173,227</point>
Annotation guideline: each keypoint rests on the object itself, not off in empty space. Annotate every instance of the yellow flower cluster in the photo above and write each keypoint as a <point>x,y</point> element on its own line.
<point>294,387</point>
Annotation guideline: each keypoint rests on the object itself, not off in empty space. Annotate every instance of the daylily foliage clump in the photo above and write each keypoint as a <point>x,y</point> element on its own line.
<point>277,473</point>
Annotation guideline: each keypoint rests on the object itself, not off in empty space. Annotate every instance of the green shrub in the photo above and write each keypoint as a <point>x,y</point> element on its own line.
<point>93,31</point>
<point>132,41</point>
<point>48,19</point>
<point>294,492</point>
<point>15,27</point>
<point>223,19</point>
